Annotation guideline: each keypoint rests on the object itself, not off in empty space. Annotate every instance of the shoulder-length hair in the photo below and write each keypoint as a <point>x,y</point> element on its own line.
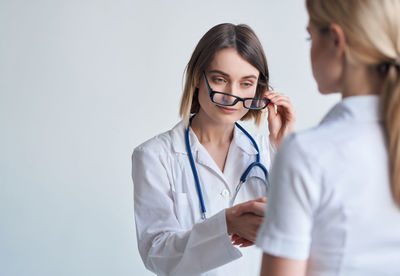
<point>239,37</point>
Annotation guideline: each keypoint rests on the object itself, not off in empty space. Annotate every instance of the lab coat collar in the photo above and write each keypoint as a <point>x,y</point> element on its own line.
<point>178,138</point>
<point>240,142</point>
<point>364,108</point>
<point>179,146</point>
<point>200,154</point>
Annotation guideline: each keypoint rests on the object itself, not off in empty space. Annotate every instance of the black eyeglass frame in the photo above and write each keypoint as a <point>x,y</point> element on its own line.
<point>237,99</point>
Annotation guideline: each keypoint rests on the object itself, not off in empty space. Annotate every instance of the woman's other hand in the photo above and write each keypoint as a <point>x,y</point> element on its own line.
<point>281,121</point>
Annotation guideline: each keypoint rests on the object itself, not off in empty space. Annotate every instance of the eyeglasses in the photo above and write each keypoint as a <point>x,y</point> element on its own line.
<point>226,99</point>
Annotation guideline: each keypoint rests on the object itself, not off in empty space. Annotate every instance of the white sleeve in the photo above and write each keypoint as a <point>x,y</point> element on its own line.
<point>164,246</point>
<point>293,199</point>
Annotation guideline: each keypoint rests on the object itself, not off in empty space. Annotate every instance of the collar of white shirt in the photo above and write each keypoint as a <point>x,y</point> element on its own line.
<point>179,145</point>
<point>363,108</point>
<point>240,141</point>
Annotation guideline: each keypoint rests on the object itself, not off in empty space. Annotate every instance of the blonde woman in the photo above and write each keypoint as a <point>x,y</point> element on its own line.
<point>334,205</point>
<point>186,181</point>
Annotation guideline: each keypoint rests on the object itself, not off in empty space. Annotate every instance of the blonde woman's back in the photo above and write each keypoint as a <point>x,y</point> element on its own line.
<point>339,211</point>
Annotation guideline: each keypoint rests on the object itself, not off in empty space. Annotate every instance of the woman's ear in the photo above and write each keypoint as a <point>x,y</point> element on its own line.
<point>338,39</point>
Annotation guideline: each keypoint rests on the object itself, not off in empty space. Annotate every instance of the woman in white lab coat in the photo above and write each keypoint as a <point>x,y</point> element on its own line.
<point>336,208</point>
<point>226,75</point>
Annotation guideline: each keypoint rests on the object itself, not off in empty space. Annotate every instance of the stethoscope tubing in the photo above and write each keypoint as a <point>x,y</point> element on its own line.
<point>194,170</point>
<point>242,178</point>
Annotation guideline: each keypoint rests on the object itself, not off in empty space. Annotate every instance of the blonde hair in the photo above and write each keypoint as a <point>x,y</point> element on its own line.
<point>239,37</point>
<point>372,31</point>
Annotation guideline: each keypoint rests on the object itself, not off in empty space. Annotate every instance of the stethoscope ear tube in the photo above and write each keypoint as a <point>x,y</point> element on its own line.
<point>194,170</point>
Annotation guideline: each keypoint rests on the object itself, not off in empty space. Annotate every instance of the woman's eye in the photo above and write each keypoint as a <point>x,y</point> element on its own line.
<point>247,84</point>
<point>219,80</point>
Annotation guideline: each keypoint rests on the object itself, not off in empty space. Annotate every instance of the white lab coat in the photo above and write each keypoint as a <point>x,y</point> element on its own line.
<point>172,237</point>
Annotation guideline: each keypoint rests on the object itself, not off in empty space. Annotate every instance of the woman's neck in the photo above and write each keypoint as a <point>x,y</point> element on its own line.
<point>360,80</point>
<point>208,131</point>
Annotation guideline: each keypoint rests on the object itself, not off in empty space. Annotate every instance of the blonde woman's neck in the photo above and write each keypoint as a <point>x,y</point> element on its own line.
<point>360,80</point>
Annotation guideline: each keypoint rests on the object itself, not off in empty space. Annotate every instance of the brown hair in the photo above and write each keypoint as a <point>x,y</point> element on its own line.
<point>372,30</point>
<point>239,37</point>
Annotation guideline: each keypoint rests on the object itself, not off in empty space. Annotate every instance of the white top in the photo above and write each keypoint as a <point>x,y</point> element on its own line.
<point>330,198</point>
<point>172,237</point>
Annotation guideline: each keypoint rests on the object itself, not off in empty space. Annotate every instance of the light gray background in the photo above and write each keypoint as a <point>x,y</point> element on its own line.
<point>84,82</point>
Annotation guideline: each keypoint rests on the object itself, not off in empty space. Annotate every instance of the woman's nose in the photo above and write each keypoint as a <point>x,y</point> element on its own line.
<point>231,88</point>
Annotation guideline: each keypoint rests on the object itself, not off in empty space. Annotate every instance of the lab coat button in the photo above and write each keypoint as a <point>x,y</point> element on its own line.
<point>225,193</point>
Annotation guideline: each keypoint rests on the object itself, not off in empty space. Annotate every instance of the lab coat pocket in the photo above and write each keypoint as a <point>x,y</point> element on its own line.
<point>183,210</point>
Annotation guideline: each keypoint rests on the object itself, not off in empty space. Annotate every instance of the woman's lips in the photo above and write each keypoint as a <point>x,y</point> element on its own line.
<point>226,109</point>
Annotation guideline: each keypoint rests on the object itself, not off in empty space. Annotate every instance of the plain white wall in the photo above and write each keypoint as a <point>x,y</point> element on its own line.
<point>84,82</point>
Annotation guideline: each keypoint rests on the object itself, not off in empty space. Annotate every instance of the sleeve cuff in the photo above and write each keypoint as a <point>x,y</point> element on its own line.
<point>217,225</point>
<point>210,245</point>
<point>230,248</point>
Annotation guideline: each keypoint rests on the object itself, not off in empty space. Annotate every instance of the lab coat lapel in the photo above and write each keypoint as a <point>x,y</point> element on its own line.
<point>202,157</point>
<point>243,142</point>
<point>241,151</point>
<point>200,154</point>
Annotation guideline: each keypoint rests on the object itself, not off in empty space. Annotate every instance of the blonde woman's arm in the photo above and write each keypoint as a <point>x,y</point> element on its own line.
<point>277,266</point>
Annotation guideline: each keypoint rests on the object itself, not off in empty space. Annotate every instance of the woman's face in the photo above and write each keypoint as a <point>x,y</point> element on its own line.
<point>228,72</point>
<point>325,61</point>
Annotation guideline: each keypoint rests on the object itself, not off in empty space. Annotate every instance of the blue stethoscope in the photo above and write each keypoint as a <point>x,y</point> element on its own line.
<point>243,178</point>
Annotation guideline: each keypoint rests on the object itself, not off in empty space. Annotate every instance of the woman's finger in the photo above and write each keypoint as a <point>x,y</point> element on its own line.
<point>271,112</point>
<point>276,98</point>
<point>285,104</point>
<point>261,199</point>
<point>246,243</point>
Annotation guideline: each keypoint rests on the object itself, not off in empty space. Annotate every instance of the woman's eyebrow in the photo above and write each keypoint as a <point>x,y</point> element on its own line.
<point>227,75</point>
<point>219,72</point>
<point>250,77</point>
